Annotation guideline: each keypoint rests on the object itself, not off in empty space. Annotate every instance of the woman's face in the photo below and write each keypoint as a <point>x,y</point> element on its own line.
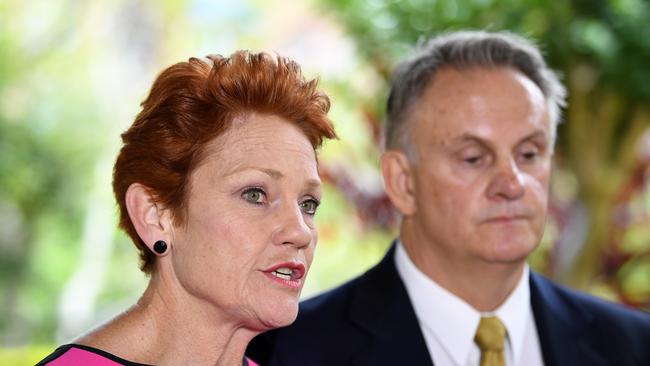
<point>249,235</point>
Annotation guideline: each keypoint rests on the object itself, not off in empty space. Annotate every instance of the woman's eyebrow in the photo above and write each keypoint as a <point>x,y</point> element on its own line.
<point>275,174</point>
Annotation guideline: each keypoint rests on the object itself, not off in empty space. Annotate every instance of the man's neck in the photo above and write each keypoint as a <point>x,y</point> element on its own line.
<point>483,285</point>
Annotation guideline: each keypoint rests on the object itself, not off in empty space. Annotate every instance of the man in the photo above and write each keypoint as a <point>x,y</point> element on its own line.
<point>470,133</point>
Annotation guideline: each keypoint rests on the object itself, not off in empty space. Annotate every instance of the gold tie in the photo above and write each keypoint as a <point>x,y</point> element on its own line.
<point>490,337</point>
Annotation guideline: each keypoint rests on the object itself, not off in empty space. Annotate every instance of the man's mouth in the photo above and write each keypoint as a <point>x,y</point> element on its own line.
<point>506,218</point>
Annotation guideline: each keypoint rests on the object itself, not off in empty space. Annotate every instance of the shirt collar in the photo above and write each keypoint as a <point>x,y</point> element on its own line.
<point>453,321</point>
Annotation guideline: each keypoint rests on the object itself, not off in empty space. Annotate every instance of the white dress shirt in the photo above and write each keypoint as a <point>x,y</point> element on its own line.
<point>449,324</point>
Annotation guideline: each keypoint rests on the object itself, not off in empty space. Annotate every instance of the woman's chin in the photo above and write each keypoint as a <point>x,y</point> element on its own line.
<point>278,315</point>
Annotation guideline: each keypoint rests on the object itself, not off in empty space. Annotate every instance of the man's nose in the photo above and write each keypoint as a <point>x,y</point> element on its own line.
<point>507,182</point>
<point>291,228</point>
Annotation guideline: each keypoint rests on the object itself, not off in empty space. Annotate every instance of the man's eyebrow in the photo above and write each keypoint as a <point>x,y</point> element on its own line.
<point>469,137</point>
<point>536,134</point>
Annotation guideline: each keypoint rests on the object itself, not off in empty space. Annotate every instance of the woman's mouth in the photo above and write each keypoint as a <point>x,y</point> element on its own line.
<point>288,273</point>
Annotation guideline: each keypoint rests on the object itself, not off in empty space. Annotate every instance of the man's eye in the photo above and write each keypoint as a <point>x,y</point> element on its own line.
<point>254,195</point>
<point>473,160</point>
<point>529,155</point>
<point>309,206</point>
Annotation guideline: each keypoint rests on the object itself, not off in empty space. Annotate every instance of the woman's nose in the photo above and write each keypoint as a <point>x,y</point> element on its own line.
<point>291,228</point>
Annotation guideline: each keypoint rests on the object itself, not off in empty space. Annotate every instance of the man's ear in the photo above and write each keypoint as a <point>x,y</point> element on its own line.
<point>398,181</point>
<point>150,220</point>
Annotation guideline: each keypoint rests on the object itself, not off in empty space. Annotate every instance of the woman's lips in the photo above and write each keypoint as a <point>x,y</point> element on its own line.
<point>290,274</point>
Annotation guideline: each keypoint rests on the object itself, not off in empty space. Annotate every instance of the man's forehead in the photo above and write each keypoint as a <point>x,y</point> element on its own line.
<point>451,81</point>
<point>482,104</point>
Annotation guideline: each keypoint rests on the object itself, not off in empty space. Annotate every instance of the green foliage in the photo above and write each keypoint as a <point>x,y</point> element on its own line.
<point>44,128</point>
<point>24,356</point>
<point>613,36</point>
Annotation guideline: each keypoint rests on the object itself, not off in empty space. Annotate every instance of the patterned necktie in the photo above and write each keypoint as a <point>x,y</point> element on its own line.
<point>490,337</point>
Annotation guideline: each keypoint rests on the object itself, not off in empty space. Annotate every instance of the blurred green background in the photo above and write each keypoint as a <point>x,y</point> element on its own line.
<point>72,74</point>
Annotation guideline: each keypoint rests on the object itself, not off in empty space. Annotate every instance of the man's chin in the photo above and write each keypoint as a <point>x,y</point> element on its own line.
<point>511,253</point>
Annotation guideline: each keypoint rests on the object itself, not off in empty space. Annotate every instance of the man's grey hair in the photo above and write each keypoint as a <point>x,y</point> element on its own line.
<point>465,50</point>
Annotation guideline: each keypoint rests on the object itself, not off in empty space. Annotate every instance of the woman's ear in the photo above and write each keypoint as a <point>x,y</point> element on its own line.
<point>150,220</point>
<point>398,181</point>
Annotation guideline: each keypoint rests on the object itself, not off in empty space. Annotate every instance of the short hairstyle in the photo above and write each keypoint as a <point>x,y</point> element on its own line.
<point>191,103</point>
<point>465,50</point>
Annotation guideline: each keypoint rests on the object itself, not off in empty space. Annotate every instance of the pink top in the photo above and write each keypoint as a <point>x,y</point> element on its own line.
<point>77,356</point>
<point>74,355</point>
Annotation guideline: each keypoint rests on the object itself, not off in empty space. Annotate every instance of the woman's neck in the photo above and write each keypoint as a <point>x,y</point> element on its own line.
<point>168,326</point>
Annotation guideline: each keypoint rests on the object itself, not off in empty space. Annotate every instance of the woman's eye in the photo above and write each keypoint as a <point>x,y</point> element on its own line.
<point>309,206</point>
<point>254,195</point>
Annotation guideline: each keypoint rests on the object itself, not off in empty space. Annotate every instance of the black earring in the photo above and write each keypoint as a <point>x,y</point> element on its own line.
<point>160,247</point>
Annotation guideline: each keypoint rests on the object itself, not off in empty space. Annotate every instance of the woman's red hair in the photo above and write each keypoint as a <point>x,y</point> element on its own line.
<point>191,103</point>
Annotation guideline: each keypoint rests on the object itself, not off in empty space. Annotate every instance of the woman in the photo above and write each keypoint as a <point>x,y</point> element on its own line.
<point>217,185</point>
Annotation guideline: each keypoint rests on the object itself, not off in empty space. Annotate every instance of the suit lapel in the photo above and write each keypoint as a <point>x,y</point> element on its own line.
<point>381,308</point>
<point>561,326</point>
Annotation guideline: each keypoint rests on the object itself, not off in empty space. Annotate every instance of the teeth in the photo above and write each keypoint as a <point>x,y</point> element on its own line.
<point>281,275</point>
<point>284,271</point>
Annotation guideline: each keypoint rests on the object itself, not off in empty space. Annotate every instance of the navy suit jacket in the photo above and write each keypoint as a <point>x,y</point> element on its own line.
<point>370,321</point>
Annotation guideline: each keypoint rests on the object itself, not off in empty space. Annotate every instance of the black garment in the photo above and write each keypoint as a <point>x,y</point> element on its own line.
<point>370,321</point>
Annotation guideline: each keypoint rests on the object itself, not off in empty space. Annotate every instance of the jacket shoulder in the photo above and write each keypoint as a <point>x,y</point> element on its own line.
<point>599,327</point>
<point>597,310</point>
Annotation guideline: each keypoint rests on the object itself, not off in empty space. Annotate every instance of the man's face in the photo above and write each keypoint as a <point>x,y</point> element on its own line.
<point>480,180</point>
